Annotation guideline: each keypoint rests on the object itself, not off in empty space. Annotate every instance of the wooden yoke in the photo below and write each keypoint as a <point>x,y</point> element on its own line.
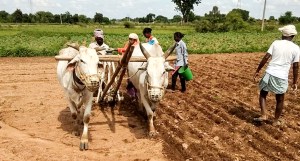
<point>122,65</point>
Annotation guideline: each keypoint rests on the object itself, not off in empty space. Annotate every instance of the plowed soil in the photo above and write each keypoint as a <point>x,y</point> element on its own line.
<point>211,121</point>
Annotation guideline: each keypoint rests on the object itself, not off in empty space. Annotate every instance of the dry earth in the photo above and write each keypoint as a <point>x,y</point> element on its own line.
<point>211,121</point>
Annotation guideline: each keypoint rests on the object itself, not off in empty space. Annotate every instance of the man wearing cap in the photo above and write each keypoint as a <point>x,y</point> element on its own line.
<point>133,38</point>
<point>283,54</point>
<point>99,38</point>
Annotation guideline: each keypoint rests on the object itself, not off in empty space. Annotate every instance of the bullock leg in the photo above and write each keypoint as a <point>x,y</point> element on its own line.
<point>74,113</point>
<point>150,115</point>
<point>86,119</point>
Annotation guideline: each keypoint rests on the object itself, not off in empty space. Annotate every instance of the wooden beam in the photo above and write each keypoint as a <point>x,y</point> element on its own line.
<point>115,58</point>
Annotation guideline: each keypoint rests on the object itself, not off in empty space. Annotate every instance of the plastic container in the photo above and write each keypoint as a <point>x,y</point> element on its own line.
<point>186,73</point>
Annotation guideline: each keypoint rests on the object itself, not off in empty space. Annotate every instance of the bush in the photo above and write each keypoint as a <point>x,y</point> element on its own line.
<point>203,26</point>
<point>128,25</point>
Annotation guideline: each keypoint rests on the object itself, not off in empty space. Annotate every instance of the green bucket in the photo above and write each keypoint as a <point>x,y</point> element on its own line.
<point>186,73</point>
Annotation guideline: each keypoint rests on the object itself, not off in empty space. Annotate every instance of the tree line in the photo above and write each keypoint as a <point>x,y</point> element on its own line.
<point>214,21</point>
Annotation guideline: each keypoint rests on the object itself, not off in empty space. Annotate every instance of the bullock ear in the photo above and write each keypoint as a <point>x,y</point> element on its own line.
<point>72,63</point>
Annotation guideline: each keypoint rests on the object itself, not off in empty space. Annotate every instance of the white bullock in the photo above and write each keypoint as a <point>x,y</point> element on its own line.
<point>150,79</point>
<point>79,79</point>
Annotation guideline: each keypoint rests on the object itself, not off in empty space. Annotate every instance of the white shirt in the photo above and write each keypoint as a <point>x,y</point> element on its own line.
<point>284,53</point>
<point>94,45</point>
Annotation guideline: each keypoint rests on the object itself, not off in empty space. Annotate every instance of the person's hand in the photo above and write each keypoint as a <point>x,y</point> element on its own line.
<point>294,87</point>
<point>255,76</point>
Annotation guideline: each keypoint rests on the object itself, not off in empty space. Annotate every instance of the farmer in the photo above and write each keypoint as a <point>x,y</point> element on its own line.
<point>133,39</point>
<point>283,53</point>
<point>99,38</point>
<point>182,61</point>
<point>149,38</point>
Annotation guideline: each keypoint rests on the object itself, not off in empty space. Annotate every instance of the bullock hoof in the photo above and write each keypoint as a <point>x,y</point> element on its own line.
<point>152,133</point>
<point>84,145</point>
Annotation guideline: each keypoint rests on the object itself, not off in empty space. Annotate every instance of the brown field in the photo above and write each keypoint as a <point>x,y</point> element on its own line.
<point>211,121</point>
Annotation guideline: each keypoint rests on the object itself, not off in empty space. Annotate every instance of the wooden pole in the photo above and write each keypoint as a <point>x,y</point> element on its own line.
<point>263,18</point>
<point>124,68</point>
<point>116,58</point>
<point>119,67</point>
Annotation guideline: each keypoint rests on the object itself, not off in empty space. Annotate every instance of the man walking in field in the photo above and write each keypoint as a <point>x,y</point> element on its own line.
<point>283,53</point>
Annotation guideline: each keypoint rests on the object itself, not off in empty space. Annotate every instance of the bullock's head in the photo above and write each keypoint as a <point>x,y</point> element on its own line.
<point>86,67</point>
<point>157,71</point>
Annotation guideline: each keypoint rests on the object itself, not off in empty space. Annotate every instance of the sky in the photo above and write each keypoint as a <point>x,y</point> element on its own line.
<point>140,8</point>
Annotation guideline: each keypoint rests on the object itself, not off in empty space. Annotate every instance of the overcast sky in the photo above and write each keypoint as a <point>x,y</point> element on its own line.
<point>140,8</point>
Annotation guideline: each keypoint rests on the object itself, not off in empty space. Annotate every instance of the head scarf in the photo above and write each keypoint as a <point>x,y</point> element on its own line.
<point>134,36</point>
<point>288,30</point>
<point>98,33</point>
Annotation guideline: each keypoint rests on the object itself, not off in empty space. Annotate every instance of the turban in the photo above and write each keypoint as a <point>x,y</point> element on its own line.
<point>133,36</point>
<point>288,30</point>
<point>98,33</point>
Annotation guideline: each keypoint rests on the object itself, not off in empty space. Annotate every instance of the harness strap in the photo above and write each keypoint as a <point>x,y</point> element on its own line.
<point>76,79</point>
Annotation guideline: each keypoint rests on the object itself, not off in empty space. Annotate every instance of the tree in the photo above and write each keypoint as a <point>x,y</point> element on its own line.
<point>4,16</point>
<point>44,17</point>
<point>272,18</point>
<point>244,13</point>
<point>185,7</point>
<point>287,18</point>
<point>176,18</point>
<point>75,18</point>
<point>83,19</point>
<point>25,18</point>
<point>17,16</point>
<point>98,17</point>
<point>106,20</point>
<point>234,21</point>
<point>150,17</point>
<point>161,18</point>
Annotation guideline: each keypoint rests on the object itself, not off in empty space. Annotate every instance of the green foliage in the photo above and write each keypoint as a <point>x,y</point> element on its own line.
<point>47,40</point>
<point>185,7</point>
<point>287,18</point>
<point>203,26</point>
<point>234,21</point>
<point>128,24</point>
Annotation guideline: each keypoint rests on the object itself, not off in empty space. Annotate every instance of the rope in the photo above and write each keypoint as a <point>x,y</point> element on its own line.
<point>134,73</point>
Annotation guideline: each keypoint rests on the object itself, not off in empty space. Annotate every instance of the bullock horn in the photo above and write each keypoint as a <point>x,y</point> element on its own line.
<point>169,51</point>
<point>145,53</point>
<point>73,45</point>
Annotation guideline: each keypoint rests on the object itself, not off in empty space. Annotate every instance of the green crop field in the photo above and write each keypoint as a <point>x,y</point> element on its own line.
<point>47,40</point>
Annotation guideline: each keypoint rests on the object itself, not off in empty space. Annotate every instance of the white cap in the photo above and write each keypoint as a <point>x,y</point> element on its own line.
<point>133,36</point>
<point>98,33</point>
<point>288,30</point>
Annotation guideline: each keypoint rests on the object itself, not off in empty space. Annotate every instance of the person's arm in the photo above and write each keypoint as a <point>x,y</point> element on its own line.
<point>295,75</point>
<point>261,64</point>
